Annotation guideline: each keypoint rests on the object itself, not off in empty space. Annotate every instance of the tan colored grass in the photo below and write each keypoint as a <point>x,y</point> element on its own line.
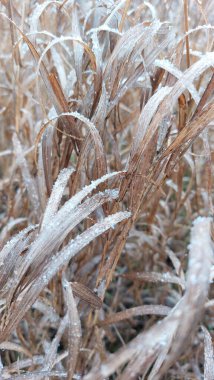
<point>106,184</point>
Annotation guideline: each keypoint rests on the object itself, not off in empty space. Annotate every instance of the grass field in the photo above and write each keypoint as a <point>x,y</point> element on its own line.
<point>106,189</point>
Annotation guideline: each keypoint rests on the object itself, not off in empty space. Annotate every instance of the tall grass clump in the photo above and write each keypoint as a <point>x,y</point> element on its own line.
<point>106,184</point>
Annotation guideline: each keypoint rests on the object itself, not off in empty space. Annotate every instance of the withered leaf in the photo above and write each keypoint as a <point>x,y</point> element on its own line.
<point>86,294</point>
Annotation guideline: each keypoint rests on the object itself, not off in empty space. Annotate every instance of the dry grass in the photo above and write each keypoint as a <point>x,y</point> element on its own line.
<point>106,183</point>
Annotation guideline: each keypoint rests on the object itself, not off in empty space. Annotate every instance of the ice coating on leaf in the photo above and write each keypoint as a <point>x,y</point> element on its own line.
<point>39,9</point>
<point>64,221</point>
<point>29,295</point>
<point>198,28</point>
<point>70,82</point>
<point>114,14</point>
<point>81,241</point>
<point>191,74</point>
<point>61,40</point>
<point>6,152</point>
<point>98,145</point>
<point>147,115</point>
<point>10,247</point>
<point>77,198</point>
<point>52,113</point>
<point>168,66</point>
<point>28,180</point>
<point>200,235</point>
<point>39,375</point>
<point>96,46</point>
<point>11,262</point>
<point>56,195</point>
<point>166,277</point>
<point>166,41</point>
<point>106,28</point>
<point>134,311</point>
<point>41,34</point>
<point>135,40</point>
<point>41,177</point>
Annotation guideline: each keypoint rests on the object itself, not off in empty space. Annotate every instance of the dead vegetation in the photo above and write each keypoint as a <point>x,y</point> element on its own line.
<point>106,184</point>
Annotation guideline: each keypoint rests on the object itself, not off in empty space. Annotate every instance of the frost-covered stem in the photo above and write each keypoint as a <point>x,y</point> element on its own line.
<point>74,328</point>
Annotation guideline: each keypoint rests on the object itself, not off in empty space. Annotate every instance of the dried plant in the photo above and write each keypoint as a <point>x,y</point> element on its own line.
<point>106,183</point>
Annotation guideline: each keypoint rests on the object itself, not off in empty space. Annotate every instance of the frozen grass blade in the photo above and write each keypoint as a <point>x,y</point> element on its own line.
<point>28,296</point>
<point>56,195</point>
<point>74,329</point>
<point>135,311</point>
<point>155,277</point>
